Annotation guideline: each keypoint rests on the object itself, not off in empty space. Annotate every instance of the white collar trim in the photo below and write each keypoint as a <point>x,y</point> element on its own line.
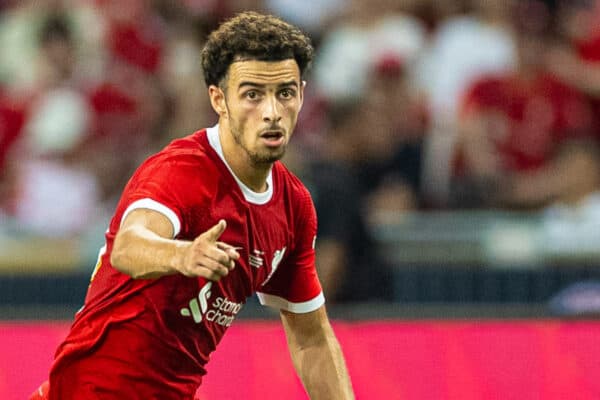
<point>250,195</point>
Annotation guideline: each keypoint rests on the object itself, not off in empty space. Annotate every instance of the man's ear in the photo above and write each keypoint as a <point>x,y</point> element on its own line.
<point>301,94</point>
<point>217,100</point>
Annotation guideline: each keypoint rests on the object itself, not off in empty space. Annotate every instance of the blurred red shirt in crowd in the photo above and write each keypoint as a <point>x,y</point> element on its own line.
<point>526,121</point>
<point>588,50</point>
<point>12,119</point>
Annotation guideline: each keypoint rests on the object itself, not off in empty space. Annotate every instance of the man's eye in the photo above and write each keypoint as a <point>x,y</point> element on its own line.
<point>287,93</point>
<point>251,94</point>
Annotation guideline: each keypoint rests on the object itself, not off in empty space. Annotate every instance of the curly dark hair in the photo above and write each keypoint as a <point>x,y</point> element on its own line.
<point>253,36</point>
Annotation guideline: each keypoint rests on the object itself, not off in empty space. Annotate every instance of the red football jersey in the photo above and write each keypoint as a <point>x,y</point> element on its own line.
<point>157,334</point>
<point>531,120</point>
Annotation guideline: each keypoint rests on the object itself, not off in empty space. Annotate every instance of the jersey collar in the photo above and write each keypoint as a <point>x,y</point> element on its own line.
<point>251,196</point>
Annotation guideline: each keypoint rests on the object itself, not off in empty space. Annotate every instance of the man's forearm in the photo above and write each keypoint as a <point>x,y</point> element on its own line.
<point>141,253</point>
<point>569,177</point>
<point>323,371</point>
<point>143,249</point>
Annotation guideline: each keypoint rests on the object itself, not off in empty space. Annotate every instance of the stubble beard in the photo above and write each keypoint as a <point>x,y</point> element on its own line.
<point>268,158</point>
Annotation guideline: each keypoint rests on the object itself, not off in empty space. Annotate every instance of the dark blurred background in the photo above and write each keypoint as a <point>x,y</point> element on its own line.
<point>451,146</point>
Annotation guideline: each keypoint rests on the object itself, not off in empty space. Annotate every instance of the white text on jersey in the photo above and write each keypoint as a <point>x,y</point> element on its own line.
<point>221,311</point>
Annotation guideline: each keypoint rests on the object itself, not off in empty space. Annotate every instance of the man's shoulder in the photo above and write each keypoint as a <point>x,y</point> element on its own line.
<point>191,150</point>
<point>186,161</point>
<point>291,184</point>
<point>288,178</point>
<point>192,144</point>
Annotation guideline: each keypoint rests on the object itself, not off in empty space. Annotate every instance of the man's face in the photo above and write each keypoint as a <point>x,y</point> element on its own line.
<point>262,101</point>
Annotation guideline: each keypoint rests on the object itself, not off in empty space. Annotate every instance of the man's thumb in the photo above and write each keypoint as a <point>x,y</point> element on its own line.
<point>216,231</point>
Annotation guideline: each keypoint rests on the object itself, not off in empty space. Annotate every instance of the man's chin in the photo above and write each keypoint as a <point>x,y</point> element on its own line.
<point>268,158</point>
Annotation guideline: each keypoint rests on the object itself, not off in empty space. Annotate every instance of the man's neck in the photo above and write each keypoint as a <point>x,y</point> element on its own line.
<point>251,174</point>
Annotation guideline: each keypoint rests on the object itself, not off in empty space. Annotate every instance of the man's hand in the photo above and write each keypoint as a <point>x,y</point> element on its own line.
<point>144,248</point>
<point>207,257</point>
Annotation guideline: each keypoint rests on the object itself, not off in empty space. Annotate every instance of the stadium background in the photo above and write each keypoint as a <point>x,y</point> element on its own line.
<point>438,287</point>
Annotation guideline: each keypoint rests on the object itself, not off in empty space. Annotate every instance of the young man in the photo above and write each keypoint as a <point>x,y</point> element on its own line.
<point>201,226</point>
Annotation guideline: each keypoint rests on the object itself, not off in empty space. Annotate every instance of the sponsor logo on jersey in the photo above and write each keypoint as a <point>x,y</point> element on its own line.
<point>221,311</point>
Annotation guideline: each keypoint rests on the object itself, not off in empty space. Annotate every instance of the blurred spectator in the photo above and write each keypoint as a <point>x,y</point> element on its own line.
<point>313,20</point>
<point>188,105</point>
<point>463,47</point>
<point>58,113</point>
<point>390,125</point>
<point>19,25</point>
<point>19,28</point>
<point>12,119</point>
<point>128,101</point>
<point>368,170</point>
<point>347,261</point>
<point>576,58</point>
<point>135,38</point>
<point>367,164</point>
<point>525,138</point>
<point>58,117</point>
<point>348,49</point>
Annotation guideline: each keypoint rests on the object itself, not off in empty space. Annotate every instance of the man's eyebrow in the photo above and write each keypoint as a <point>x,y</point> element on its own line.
<point>289,83</point>
<point>253,84</point>
<point>262,86</point>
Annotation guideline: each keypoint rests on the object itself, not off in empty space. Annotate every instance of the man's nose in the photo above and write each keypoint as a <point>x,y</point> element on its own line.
<point>271,112</point>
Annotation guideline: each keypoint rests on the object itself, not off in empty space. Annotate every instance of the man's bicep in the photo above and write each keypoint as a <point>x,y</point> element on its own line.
<point>149,219</point>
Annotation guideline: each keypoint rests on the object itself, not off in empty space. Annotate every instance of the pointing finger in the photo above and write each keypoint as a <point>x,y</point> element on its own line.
<point>231,251</point>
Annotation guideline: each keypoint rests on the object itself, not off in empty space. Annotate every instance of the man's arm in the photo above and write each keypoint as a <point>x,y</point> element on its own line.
<point>582,74</point>
<point>316,355</point>
<point>143,249</point>
<point>569,177</point>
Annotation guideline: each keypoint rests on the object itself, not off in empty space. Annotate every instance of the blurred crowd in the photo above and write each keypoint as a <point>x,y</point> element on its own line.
<point>410,105</point>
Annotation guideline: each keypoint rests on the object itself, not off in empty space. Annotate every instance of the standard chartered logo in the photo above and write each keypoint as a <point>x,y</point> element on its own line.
<point>221,311</point>
<point>198,306</point>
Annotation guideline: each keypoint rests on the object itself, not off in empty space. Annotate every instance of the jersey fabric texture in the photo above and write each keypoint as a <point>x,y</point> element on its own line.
<point>153,337</point>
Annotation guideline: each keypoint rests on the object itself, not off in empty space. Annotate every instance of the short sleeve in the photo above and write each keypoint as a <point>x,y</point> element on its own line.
<point>295,286</point>
<point>162,185</point>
